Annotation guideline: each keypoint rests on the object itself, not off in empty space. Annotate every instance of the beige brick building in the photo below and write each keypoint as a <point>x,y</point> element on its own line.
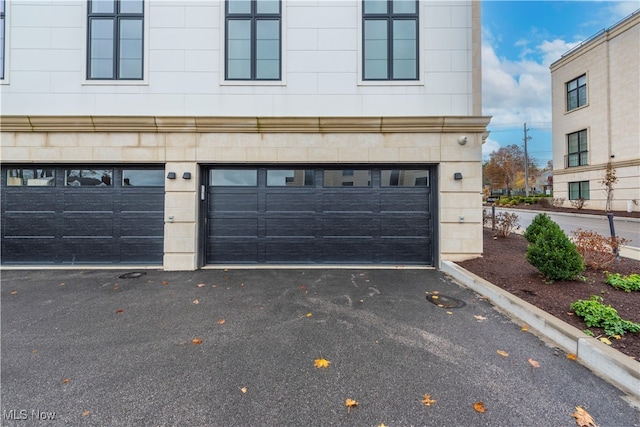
<point>596,118</point>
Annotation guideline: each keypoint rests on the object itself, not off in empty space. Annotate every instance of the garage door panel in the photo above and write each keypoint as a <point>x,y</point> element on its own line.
<point>291,250</point>
<point>404,202</point>
<point>29,250</point>
<point>76,225</point>
<point>352,225</point>
<point>290,227</point>
<point>404,225</point>
<point>141,250</point>
<point>88,200</point>
<point>231,227</point>
<point>233,250</point>
<point>142,201</point>
<point>89,250</point>
<point>29,200</point>
<point>291,202</point>
<point>141,224</point>
<point>31,224</point>
<point>349,201</point>
<point>234,202</point>
<point>404,250</point>
<point>345,250</point>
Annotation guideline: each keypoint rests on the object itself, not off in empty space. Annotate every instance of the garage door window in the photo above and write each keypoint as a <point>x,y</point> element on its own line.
<point>31,177</point>
<point>88,177</point>
<point>233,178</point>
<point>290,178</point>
<point>405,178</point>
<point>142,178</point>
<point>347,178</point>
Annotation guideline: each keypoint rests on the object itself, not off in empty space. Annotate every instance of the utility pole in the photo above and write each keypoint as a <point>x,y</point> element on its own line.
<point>526,162</point>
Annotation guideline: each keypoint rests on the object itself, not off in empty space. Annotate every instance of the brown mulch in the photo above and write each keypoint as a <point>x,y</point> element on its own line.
<point>504,264</point>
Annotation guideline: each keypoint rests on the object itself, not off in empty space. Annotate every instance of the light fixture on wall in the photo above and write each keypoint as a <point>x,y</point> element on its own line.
<point>457,176</point>
<point>171,175</point>
<point>186,175</point>
<point>462,140</point>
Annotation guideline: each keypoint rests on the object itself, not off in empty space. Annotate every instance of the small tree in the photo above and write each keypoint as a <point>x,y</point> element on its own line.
<point>553,254</point>
<point>608,181</point>
<point>540,222</point>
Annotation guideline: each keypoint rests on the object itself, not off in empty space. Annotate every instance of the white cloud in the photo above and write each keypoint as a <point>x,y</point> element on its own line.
<point>489,147</point>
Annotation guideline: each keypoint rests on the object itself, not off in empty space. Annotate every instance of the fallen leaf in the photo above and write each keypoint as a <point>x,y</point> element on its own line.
<point>85,413</point>
<point>434,297</point>
<point>583,419</point>
<point>61,284</point>
<point>480,318</point>
<point>618,337</point>
<point>196,341</point>
<point>165,283</point>
<point>321,363</point>
<point>572,356</point>
<point>350,403</point>
<point>440,305</point>
<point>14,292</point>
<point>524,328</point>
<point>34,351</point>
<point>534,363</point>
<point>605,340</point>
<point>221,321</point>
<point>427,400</point>
<point>200,285</point>
<point>435,292</point>
<point>214,286</point>
<point>226,269</point>
<point>309,314</point>
<point>449,312</point>
<point>382,425</point>
<point>65,381</point>
<point>120,311</point>
<point>195,301</point>
<point>243,390</point>
<point>479,406</point>
<point>503,353</point>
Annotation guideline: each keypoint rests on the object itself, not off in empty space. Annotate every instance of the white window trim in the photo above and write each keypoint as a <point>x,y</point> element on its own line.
<point>7,42</point>
<point>283,51</point>
<point>421,63</point>
<point>145,53</point>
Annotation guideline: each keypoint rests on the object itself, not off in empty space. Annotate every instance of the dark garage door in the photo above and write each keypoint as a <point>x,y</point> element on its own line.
<point>82,215</point>
<point>331,216</point>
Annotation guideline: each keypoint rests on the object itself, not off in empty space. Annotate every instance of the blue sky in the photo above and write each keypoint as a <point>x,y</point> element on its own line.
<point>520,39</point>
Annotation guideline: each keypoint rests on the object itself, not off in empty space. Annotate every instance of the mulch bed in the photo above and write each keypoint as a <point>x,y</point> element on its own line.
<point>504,264</point>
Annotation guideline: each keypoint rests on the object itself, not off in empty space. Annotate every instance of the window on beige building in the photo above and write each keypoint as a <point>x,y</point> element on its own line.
<point>579,190</point>
<point>577,93</point>
<point>577,149</point>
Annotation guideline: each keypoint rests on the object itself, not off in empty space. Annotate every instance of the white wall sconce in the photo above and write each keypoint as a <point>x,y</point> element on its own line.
<point>457,176</point>
<point>186,175</point>
<point>462,140</point>
<point>171,175</point>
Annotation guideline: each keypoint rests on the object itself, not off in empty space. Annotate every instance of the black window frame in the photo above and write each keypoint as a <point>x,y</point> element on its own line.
<point>253,16</point>
<point>390,17</point>
<point>583,193</point>
<point>579,89</point>
<point>579,157</point>
<point>116,16</point>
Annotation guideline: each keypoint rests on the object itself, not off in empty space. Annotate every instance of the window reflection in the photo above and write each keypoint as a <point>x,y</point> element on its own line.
<point>31,177</point>
<point>347,178</point>
<point>405,178</point>
<point>89,177</point>
<point>290,178</point>
<point>143,178</point>
<point>233,177</point>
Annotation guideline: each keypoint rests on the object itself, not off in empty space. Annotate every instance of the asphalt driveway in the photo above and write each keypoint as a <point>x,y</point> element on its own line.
<point>86,347</point>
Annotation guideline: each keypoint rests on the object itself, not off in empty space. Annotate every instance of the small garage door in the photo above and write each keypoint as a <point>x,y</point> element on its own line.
<point>330,216</point>
<point>82,215</point>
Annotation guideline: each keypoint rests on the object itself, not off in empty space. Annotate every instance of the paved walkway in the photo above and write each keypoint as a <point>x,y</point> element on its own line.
<point>99,350</point>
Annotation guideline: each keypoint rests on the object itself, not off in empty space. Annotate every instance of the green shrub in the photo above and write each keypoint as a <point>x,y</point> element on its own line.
<point>598,315</point>
<point>626,283</point>
<point>528,200</point>
<point>553,254</point>
<point>546,202</point>
<point>539,222</point>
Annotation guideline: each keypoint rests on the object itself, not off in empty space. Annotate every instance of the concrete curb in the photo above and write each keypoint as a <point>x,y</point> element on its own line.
<point>611,365</point>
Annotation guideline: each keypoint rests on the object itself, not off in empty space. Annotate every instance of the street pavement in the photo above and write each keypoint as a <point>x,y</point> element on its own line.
<point>86,347</point>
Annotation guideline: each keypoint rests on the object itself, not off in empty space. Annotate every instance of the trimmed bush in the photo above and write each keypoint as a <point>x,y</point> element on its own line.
<point>553,254</point>
<point>540,222</point>
<point>546,202</point>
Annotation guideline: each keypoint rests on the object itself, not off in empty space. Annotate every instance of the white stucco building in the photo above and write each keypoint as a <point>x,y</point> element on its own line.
<point>596,118</point>
<point>194,133</point>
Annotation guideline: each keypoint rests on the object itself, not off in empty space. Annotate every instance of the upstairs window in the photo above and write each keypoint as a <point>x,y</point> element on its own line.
<point>577,149</point>
<point>253,40</point>
<point>390,39</point>
<point>2,38</point>
<point>115,45</point>
<point>577,93</point>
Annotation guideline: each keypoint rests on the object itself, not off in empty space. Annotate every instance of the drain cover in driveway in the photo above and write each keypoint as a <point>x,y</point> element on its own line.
<point>133,275</point>
<point>444,301</point>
